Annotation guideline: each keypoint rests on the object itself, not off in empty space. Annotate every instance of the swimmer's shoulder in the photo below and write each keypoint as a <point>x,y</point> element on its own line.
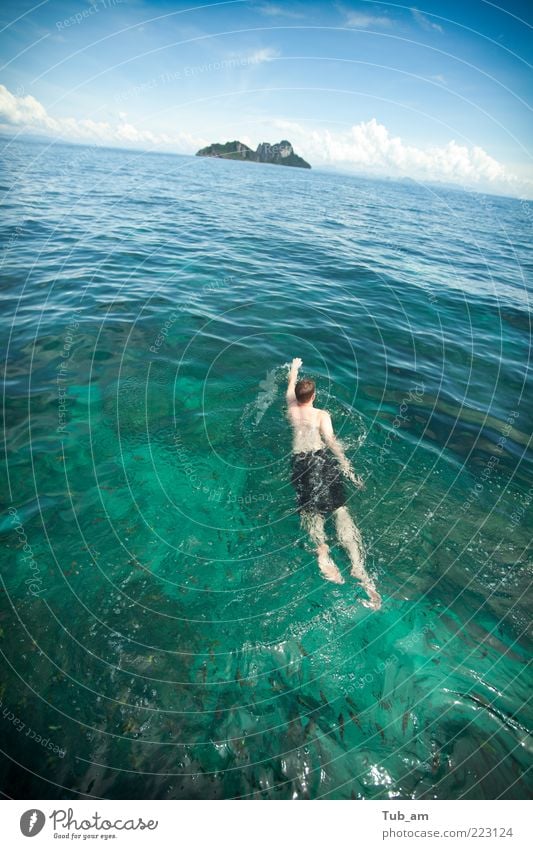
<point>324,423</point>
<point>323,417</point>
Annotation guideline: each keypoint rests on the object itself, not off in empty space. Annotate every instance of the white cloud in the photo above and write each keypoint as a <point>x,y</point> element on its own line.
<point>424,21</point>
<point>370,148</point>
<point>265,54</point>
<point>273,11</point>
<point>359,19</point>
<point>22,110</point>
<point>26,113</point>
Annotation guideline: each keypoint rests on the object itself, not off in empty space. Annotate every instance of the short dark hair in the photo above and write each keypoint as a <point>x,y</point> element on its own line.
<point>304,390</point>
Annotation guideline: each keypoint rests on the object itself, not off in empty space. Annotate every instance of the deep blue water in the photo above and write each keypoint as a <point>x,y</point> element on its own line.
<point>165,632</point>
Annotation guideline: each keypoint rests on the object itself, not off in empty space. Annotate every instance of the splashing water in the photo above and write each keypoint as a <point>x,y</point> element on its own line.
<point>269,387</point>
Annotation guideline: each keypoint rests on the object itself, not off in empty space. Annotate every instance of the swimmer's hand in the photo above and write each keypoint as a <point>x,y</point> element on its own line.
<point>293,376</point>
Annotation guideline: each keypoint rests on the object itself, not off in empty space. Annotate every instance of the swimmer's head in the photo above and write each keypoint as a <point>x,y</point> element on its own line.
<point>305,391</point>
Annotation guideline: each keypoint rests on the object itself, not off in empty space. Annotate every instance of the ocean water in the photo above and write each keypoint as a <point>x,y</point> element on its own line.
<point>164,630</point>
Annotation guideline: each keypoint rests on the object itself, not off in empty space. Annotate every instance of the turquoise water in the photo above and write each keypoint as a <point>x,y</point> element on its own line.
<point>165,632</point>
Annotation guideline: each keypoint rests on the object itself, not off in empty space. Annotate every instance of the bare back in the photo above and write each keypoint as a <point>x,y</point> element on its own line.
<point>307,427</point>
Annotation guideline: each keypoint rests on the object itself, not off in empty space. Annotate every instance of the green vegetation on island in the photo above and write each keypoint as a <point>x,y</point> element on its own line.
<point>275,154</point>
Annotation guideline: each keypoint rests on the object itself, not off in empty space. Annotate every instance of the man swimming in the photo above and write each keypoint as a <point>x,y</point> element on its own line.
<point>319,487</point>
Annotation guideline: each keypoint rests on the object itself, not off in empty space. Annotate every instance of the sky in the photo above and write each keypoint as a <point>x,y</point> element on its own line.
<point>437,92</point>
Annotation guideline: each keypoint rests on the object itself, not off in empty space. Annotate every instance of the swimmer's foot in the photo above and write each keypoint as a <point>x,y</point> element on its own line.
<point>374,599</point>
<point>329,571</point>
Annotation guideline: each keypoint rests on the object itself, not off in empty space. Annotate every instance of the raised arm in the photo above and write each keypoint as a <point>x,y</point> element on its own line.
<point>293,377</point>
<point>326,429</point>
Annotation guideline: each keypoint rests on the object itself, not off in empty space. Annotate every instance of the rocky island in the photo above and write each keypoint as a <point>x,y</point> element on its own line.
<point>275,154</point>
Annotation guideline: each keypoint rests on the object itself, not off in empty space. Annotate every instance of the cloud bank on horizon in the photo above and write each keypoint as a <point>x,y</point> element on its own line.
<point>366,147</point>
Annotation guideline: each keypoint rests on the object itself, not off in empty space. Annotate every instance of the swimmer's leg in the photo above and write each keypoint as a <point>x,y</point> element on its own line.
<point>350,537</point>
<point>314,525</point>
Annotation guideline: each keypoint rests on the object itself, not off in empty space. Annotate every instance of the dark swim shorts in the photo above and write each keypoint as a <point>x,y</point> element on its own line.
<point>316,477</point>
